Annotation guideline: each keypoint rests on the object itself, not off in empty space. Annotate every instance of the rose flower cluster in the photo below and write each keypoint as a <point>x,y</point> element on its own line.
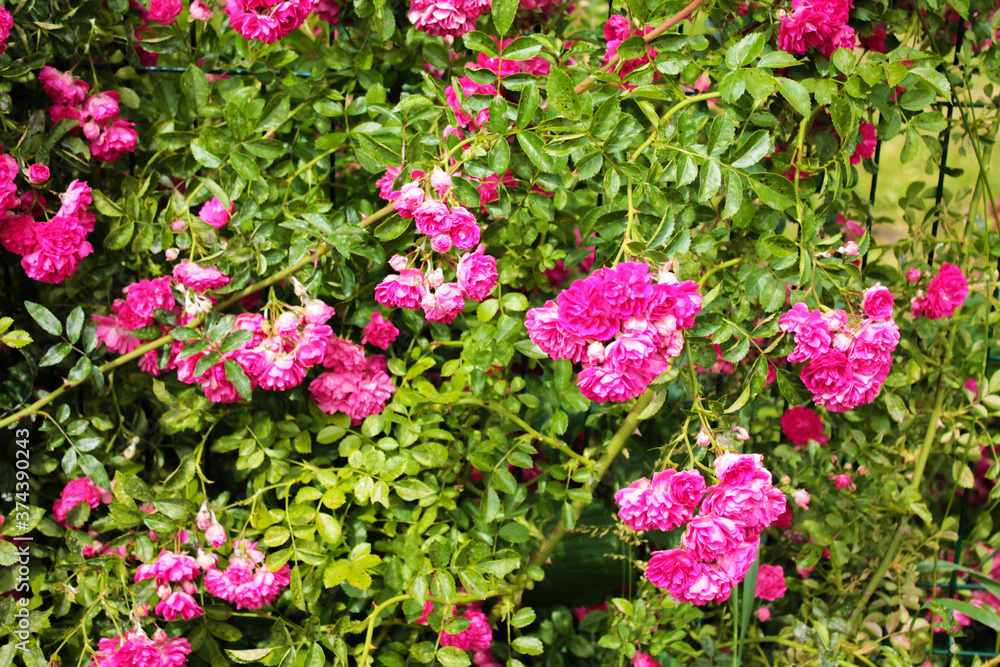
<point>620,325</point>
<point>617,30</point>
<point>446,18</point>
<point>446,227</point>
<point>847,358</point>
<point>275,356</point>
<point>945,294</point>
<point>96,116</point>
<point>719,544</point>
<point>267,20</point>
<point>818,23</point>
<point>50,250</point>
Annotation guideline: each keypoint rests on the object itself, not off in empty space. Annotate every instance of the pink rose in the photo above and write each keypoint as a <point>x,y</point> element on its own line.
<point>686,579</point>
<point>547,332</point>
<point>215,214</point>
<point>802,499</point>
<point>878,302</point>
<point>913,275</point>
<point>464,229</point>
<point>164,11</point>
<point>198,278</point>
<point>102,108</point>
<point>379,332</point>
<point>770,582</point>
<point>199,11</point>
<point>801,424</point>
<point>443,304</point>
<point>63,87</point>
<point>432,217</point>
<point>707,537</point>
<point>866,144</point>
<point>405,290</point>
<point>114,141</point>
<point>477,274</point>
<point>740,469</point>
<point>842,481</point>
<point>946,292</point>
<point>38,173</point>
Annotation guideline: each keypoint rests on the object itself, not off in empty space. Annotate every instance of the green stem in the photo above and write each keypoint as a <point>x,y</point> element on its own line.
<point>163,340</point>
<point>621,436</point>
<point>719,267</point>
<point>687,101</point>
<point>914,487</point>
<point>507,414</point>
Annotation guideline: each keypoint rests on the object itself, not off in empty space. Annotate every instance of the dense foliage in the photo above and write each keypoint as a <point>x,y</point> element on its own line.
<point>507,333</point>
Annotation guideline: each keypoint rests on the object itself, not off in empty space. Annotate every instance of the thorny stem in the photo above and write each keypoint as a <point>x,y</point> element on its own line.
<point>35,407</point>
<point>649,37</point>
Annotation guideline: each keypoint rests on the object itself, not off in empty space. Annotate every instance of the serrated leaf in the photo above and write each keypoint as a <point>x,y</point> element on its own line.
<point>751,151</point>
<point>559,88</point>
<point>796,94</point>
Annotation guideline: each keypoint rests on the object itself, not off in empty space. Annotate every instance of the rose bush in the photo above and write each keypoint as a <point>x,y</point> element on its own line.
<point>455,331</point>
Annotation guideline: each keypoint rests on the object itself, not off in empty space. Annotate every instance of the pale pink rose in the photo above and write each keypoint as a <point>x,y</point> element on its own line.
<point>703,439</point>
<point>547,332</point>
<point>443,304</point>
<point>199,11</point>
<point>440,181</point>
<point>405,290</point>
<point>802,498</point>
<point>200,279</point>
<point>763,614</point>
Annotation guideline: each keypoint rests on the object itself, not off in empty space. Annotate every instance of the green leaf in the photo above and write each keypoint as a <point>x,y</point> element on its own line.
<point>94,469</point>
<point>452,656</point>
<point>796,94</point>
<point>528,645</point>
<point>480,41</point>
<point>534,148</point>
<point>119,237</point>
<point>499,157</point>
<point>74,324</point>
<point>894,404</point>
<point>503,15</point>
<point>791,388</point>
<point>780,246</point>
<point>55,354</point>
<point>711,181</point>
<point>514,301</point>
<point>527,106</point>
<point>933,78</point>
<point>745,50</point>
<point>633,47</point>
<point>559,88</point>
<point>249,655</point>
<point>44,318</point>
<point>236,375</point>
<point>751,151</point>
<point>778,60</point>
